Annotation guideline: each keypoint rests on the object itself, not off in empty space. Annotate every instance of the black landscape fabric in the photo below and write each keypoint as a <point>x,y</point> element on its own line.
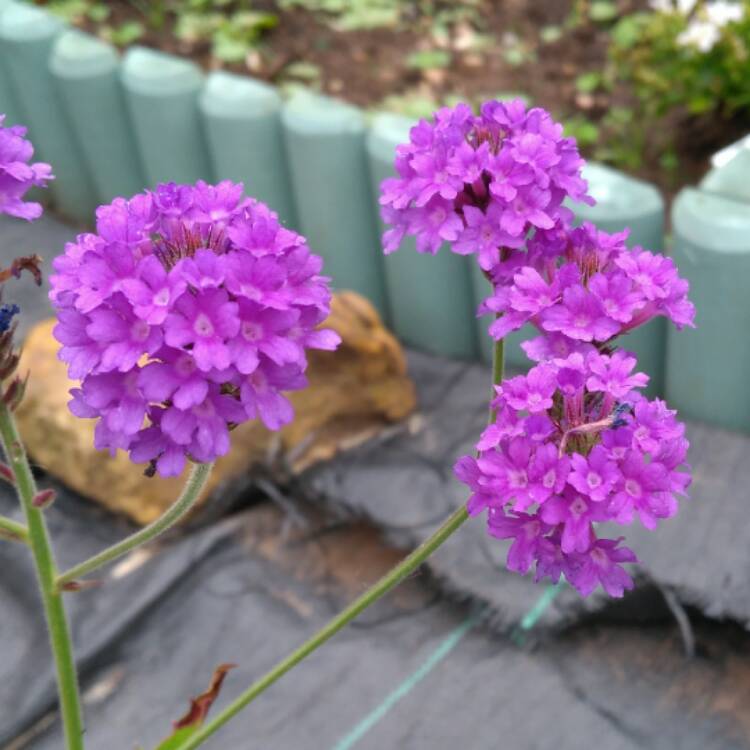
<point>151,635</point>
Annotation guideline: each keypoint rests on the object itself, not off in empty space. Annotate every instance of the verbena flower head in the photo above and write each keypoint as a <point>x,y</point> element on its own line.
<point>187,313</point>
<point>575,444</point>
<point>17,176</point>
<point>481,182</point>
<point>586,286</point>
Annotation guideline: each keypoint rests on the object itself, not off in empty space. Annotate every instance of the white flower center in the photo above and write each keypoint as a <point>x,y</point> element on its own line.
<point>252,331</point>
<point>203,325</point>
<point>161,298</point>
<point>633,488</point>
<point>578,507</point>
<point>593,480</point>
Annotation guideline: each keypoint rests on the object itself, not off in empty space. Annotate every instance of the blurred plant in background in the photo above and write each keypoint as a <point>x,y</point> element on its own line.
<point>686,54</point>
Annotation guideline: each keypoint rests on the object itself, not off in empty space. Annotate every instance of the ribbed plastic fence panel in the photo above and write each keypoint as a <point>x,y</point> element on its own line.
<point>26,38</point>
<point>430,297</point>
<point>708,369</point>
<point>161,92</point>
<point>623,201</point>
<point>8,101</point>
<point>325,141</point>
<point>720,158</point>
<point>242,121</point>
<point>732,177</point>
<point>86,72</point>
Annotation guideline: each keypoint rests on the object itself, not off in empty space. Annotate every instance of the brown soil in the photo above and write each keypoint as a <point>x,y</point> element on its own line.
<point>365,67</point>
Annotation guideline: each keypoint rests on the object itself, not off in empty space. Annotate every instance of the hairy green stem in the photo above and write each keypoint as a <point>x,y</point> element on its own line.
<point>13,531</point>
<point>54,609</point>
<point>190,494</point>
<point>391,579</point>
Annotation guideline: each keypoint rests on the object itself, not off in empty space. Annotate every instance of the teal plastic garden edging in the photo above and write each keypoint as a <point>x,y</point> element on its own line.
<point>113,125</point>
<point>730,178</point>
<point>27,36</point>
<point>242,120</point>
<point>86,72</point>
<point>161,92</point>
<point>707,370</point>
<point>8,102</point>
<point>419,285</point>
<point>325,141</point>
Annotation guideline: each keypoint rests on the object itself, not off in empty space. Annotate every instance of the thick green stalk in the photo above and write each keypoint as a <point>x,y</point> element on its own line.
<point>379,589</point>
<point>54,609</point>
<point>190,494</point>
<point>13,530</point>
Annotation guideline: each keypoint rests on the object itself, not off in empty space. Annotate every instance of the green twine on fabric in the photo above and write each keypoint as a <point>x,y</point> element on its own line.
<point>528,621</point>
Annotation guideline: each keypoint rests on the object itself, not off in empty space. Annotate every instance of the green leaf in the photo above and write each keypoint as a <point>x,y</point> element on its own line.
<point>228,49</point>
<point>628,31</point>
<point>69,10</point>
<point>585,132</point>
<point>550,34</point>
<point>180,735</point>
<point>515,56</point>
<point>306,71</point>
<point>603,11</point>
<point>125,34</point>
<point>192,721</point>
<point>410,104</point>
<point>367,18</point>
<point>669,161</point>
<point>586,83</point>
<point>195,27</point>
<point>428,59</point>
<point>98,13</point>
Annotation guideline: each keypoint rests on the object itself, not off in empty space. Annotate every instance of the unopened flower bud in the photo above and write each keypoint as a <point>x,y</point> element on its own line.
<point>7,474</point>
<point>44,498</point>
<point>14,393</point>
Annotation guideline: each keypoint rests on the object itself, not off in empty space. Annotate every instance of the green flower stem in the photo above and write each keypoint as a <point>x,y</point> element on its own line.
<point>54,609</point>
<point>383,586</point>
<point>190,494</point>
<point>13,530</point>
<point>498,370</point>
<point>379,589</point>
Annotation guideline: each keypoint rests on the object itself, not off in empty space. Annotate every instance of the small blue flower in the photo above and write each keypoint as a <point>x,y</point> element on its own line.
<point>7,313</point>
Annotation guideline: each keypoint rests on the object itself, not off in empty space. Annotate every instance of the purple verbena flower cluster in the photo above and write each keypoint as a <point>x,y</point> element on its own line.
<point>17,176</point>
<point>481,182</point>
<point>575,444</point>
<point>187,313</point>
<point>584,286</point>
